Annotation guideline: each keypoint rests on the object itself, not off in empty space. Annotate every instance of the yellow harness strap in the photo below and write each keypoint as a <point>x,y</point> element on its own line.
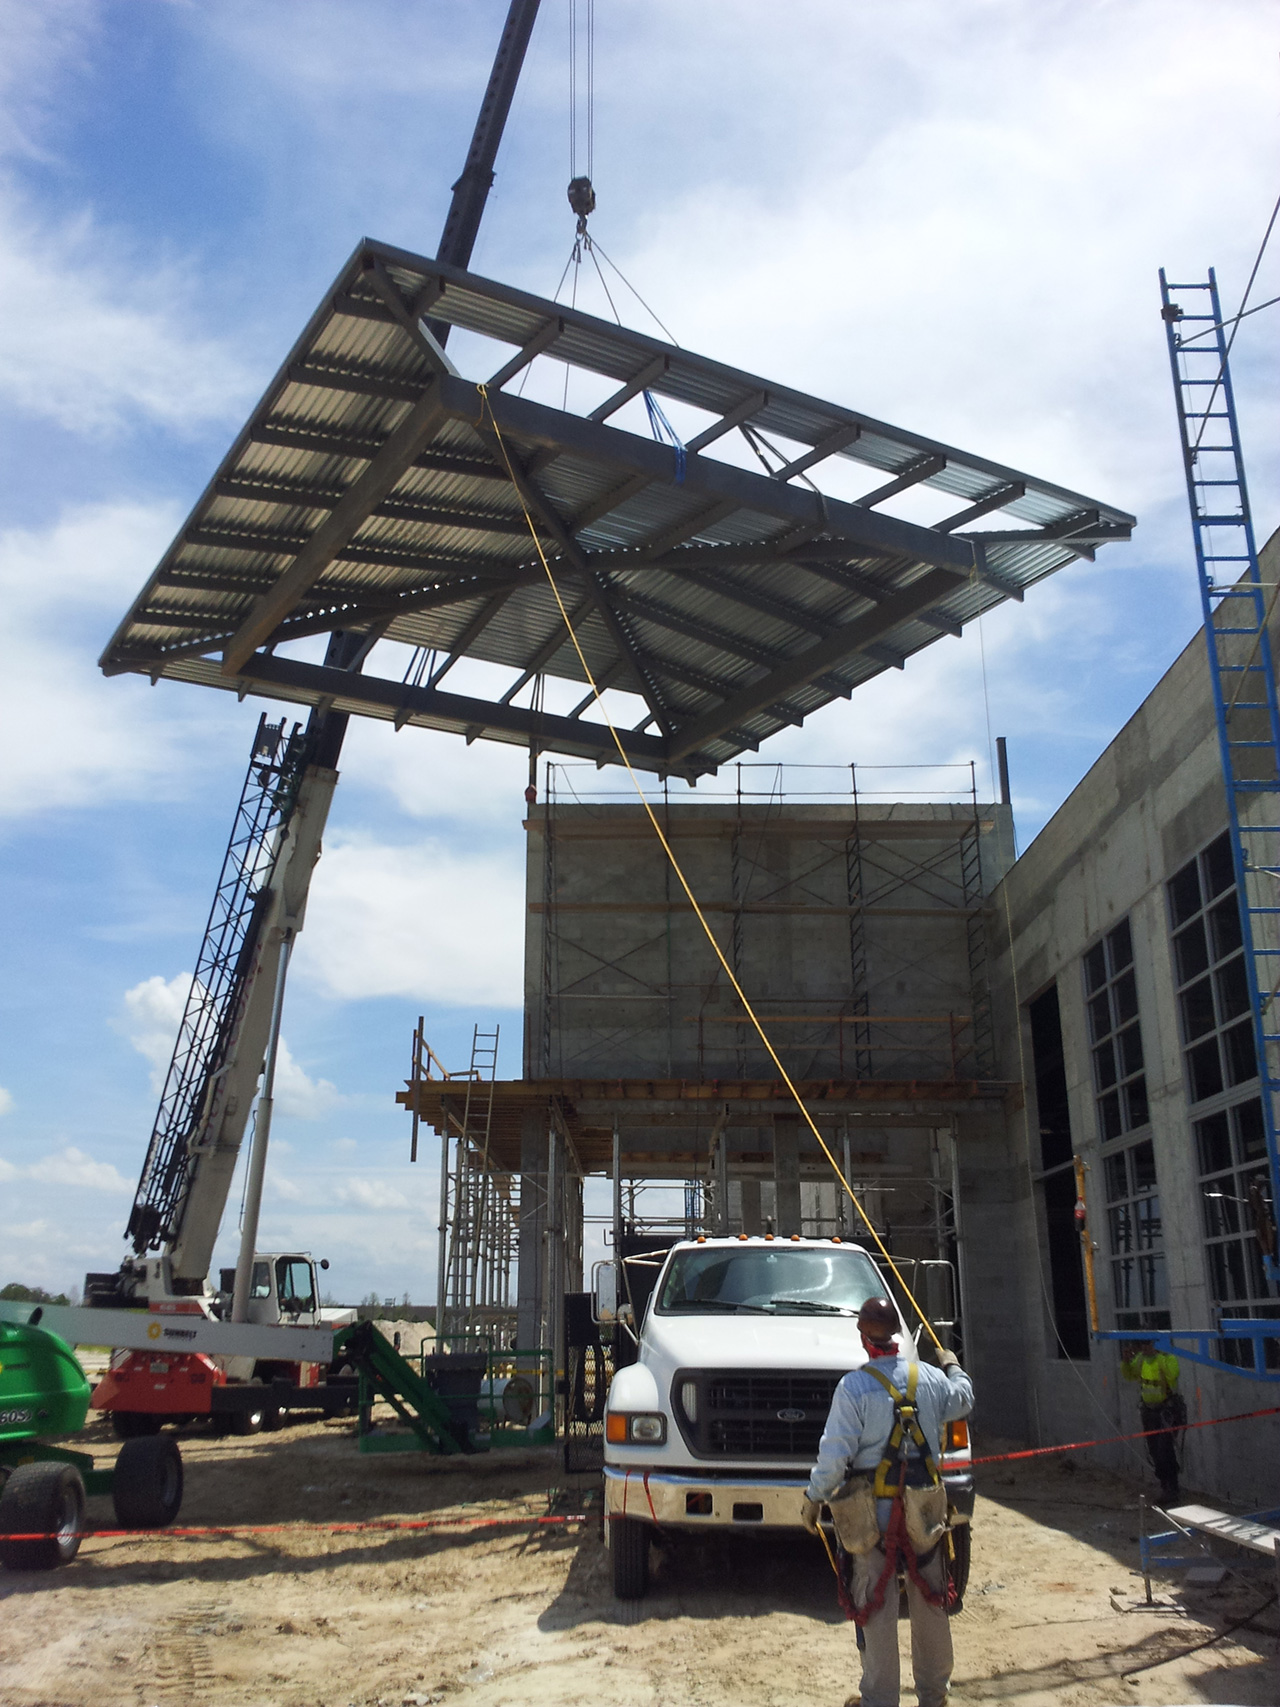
<point>906,1426</point>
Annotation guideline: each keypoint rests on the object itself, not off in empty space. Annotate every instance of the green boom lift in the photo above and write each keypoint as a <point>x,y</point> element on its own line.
<point>43,1393</point>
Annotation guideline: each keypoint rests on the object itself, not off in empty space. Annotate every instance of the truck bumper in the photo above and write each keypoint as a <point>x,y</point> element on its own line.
<point>691,1502</point>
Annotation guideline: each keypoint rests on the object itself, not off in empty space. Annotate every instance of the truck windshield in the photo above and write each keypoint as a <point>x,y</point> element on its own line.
<point>781,1282</point>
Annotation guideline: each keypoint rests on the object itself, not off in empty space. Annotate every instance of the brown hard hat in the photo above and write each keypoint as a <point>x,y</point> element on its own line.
<point>878,1320</point>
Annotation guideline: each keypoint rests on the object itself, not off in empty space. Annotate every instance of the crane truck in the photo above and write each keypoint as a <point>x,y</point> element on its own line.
<point>183,1348</point>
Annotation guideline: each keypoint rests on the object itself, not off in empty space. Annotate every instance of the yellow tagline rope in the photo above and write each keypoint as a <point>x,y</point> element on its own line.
<point>487,407</point>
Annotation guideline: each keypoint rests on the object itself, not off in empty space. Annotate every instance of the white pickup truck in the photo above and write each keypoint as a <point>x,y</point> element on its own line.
<point>717,1423</point>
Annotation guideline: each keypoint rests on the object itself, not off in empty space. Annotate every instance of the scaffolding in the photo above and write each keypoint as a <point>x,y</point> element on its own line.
<point>478,1209</point>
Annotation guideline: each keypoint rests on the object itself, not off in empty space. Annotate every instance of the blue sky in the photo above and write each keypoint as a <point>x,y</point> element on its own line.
<point>948,213</point>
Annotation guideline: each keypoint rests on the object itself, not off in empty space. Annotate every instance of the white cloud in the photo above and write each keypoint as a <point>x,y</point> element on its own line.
<point>90,340</point>
<point>153,1013</point>
<point>7,1170</point>
<point>6,1100</point>
<point>425,920</point>
<point>371,1194</point>
<point>74,1168</point>
<point>86,739</point>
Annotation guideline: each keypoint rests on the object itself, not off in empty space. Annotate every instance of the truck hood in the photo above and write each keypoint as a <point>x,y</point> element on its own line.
<point>748,1341</point>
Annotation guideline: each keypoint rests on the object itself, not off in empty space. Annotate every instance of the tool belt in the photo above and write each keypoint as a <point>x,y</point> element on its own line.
<point>857,1526</point>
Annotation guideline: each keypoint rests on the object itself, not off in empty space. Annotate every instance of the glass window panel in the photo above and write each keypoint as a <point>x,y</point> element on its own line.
<point>1122,1286</point>
<point>1214,1143</point>
<point>1104,1063</point>
<point>1206,1070</point>
<point>1109,1115</point>
<point>1197,1010</point>
<point>1251,1139</point>
<point>1233,989</point>
<point>1116,1174</point>
<point>1099,1016</point>
<point>1148,1230</point>
<point>1135,1093</point>
<point>1120,947</point>
<point>1120,1221</point>
<point>1224,927</point>
<point>1237,1047</point>
<point>1184,893</point>
<point>1155,1285</point>
<point>1129,1046</point>
<point>1191,951</point>
<point>1095,968</point>
<point>1219,873</point>
<point>1142,1167</point>
<point>1125,998</point>
<point>1227,1272</point>
<point>1219,1207</point>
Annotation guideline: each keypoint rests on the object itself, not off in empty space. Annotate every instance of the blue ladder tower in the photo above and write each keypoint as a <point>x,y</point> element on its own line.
<point>1236,607</point>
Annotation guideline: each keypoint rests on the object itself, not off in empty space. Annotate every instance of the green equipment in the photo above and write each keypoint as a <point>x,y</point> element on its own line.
<point>44,1391</point>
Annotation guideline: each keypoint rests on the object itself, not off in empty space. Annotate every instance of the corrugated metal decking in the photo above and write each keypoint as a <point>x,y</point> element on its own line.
<point>368,492</point>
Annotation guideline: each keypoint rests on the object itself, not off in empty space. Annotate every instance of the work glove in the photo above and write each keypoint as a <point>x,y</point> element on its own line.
<point>947,1359</point>
<point>809,1514</point>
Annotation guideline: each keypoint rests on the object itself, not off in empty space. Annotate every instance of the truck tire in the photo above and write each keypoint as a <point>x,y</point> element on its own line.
<point>249,1422</point>
<point>46,1500</point>
<point>629,1544</point>
<point>959,1565</point>
<point>146,1488</point>
<point>130,1425</point>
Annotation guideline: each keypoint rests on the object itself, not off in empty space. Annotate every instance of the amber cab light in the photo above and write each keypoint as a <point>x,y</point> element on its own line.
<point>615,1428</point>
<point>957,1436</point>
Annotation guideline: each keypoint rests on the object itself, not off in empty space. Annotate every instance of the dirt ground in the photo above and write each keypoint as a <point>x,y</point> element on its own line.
<point>304,1617</point>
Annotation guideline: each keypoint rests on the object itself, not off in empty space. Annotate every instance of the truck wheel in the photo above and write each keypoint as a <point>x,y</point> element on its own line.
<point>129,1425</point>
<point>629,1544</point>
<point>249,1422</point>
<point>959,1565</point>
<point>46,1500</point>
<point>146,1488</point>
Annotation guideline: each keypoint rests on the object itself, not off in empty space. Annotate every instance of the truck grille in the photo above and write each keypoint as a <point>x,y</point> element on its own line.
<point>750,1413</point>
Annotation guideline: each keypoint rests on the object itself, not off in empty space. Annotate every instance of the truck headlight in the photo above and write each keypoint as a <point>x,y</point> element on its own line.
<point>630,1428</point>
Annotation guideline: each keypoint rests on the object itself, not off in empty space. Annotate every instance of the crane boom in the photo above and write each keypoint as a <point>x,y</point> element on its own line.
<point>262,893</point>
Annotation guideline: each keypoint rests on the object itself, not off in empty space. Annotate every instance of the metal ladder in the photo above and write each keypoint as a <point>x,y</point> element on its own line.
<point>1236,608</point>
<point>478,1211</point>
<point>226,954</point>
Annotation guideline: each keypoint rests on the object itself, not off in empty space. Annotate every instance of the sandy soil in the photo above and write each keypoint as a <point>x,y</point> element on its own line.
<point>301,1617</point>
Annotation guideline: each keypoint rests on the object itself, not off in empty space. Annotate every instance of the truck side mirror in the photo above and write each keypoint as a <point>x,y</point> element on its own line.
<point>324,1262</point>
<point>604,1292</point>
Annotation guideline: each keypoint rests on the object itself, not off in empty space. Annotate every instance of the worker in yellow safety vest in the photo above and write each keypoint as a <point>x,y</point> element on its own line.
<point>1160,1406</point>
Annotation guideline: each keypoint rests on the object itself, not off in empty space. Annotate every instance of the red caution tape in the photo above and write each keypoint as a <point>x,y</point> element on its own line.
<point>383,1523</point>
<point>1111,1439</point>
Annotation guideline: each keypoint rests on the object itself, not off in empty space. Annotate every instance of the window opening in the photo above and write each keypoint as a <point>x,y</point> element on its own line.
<point>1058,1184</point>
<point>1115,1036</point>
<point>1139,1282</point>
<point>1231,1149</point>
<point>1209,973</point>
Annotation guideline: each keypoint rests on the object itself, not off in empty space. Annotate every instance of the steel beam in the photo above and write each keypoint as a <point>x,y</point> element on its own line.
<point>798,672</point>
<point>424,420</point>
<point>563,734</point>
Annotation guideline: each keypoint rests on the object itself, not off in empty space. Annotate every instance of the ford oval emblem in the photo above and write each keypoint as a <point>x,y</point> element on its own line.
<point>791,1416</point>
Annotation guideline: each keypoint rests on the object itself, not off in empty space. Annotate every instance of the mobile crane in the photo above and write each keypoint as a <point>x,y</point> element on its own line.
<point>198,1350</point>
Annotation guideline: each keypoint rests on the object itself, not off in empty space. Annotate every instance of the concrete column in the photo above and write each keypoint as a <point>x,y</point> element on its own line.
<point>786,1171</point>
<point>531,1249</point>
<point>751,1218</point>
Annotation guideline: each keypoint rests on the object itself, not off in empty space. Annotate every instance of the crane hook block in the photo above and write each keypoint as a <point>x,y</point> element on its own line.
<point>582,198</point>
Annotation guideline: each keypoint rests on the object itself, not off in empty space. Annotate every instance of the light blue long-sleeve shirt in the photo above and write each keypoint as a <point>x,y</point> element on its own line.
<point>861,1418</point>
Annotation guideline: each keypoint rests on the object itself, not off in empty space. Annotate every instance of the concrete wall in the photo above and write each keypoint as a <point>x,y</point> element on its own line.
<point>1153,800</point>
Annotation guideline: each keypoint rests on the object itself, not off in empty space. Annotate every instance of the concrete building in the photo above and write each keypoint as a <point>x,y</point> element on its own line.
<point>1120,1001</point>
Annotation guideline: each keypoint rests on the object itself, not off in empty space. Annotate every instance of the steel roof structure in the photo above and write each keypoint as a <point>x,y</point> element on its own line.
<point>369,492</point>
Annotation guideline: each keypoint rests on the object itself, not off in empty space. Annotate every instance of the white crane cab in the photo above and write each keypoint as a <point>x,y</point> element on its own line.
<point>717,1423</point>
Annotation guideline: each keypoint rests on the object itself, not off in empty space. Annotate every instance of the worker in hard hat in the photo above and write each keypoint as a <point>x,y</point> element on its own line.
<point>877,1470</point>
<point>1161,1407</point>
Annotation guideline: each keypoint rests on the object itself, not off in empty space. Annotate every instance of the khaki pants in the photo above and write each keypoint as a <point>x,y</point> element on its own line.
<point>931,1653</point>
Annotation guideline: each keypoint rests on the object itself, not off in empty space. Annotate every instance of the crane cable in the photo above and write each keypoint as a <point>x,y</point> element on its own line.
<point>486,408</point>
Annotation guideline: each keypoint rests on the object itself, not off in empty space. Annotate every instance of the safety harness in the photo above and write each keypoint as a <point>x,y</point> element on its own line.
<point>890,1483</point>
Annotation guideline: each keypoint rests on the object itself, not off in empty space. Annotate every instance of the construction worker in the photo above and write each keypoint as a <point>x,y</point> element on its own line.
<point>1161,1406</point>
<point>880,1448</point>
